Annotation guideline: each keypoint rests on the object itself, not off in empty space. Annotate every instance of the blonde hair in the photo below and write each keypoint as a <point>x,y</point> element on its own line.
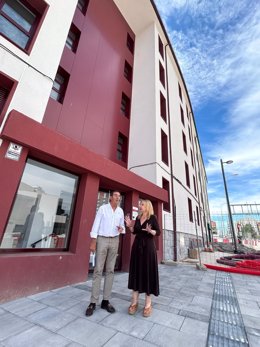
<point>148,208</point>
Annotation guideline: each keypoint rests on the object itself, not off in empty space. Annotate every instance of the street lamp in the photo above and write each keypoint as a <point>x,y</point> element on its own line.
<point>228,204</point>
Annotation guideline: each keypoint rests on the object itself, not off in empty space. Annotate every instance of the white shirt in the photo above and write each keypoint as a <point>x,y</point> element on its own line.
<point>106,222</point>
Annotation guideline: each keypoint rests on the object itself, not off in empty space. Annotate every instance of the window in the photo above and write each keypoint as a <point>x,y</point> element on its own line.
<point>187,174</point>
<point>125,105</point>
<point>180,91</point>
<point>130,43</point>
<point>194,183</point>
<point>187,113</point>
<point>122,148</point>
<point>166,186</point>
<point>189,133</point>
<point>19,20</point>
<point>198,216</point>
<point>190,210</point>
<point>192,159</point>
<point>6,86</point>
<point>128,71</point>
<point>160,47</point>
<point>60,85</point>
<point>164,144</point>
<point>182,116</point>
<point>73,38</point>
<point>4,92</point>
<point>162,75</point>
<point>163,107</point>
<point>43,209</point>
<point>184,142</point>
<point>83,5</point>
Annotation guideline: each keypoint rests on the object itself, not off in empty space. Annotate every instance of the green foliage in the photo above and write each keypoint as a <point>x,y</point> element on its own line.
<point>248,231</point>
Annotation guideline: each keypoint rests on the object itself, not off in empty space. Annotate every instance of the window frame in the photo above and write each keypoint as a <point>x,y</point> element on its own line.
<point>65,75</point>
<point>182,116</point>
<point>166,186</point>
<point>121,153</point>
<point>190,210</point>
<point>160,47</point>
<point>125,105</point>
<point>130,43</point>
<point>163,109</point>
<point>82,7</point>
<point>10,85</point>
<point>180,91</point>
<point>187,174</point>
<point>164,148</point>
<point>162,74</point>
<point>184,142</point>
<point>74,203</point>
<point>74,30</point>
<point>39,10</point>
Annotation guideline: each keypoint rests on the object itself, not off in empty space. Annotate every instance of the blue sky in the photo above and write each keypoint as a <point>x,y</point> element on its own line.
<point>217,44</point>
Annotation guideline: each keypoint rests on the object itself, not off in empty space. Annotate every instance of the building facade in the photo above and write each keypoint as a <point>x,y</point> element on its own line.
<point>91,99</point>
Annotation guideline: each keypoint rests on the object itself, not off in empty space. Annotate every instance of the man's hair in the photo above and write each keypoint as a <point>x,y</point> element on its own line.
<point>114,191</point>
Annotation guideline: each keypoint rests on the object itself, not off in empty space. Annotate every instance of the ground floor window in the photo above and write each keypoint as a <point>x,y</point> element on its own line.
<point>42,212</point>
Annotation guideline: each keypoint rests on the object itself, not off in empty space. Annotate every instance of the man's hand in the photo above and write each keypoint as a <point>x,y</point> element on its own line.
<point>119,229</point>
<point>93,245</point>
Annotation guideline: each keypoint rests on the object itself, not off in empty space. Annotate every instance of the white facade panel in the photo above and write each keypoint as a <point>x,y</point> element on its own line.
<point>35,72</point>
<point>142,139</point>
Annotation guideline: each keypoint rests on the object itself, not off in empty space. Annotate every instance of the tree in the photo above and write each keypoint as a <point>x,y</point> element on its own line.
<point>248,231</point>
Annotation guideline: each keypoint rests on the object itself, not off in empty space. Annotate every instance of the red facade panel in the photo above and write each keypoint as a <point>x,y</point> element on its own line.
<point>90,113</point>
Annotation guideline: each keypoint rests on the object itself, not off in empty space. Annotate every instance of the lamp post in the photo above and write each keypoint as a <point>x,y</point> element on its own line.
<point>228,204</point>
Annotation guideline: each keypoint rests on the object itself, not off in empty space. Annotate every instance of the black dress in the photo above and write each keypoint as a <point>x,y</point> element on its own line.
<point>143,271</point>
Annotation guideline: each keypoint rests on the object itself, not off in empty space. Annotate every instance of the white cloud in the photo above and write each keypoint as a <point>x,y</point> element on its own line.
<point>217,46</point>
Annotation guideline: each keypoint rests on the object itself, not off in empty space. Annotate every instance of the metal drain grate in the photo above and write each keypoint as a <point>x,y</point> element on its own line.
<point>226,327</point>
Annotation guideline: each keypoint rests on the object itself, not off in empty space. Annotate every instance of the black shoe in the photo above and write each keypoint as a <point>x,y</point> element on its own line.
<point>91,308</point>
<point>105,304</point>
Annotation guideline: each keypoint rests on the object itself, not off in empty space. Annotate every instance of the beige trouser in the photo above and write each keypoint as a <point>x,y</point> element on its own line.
<point>106,253</point>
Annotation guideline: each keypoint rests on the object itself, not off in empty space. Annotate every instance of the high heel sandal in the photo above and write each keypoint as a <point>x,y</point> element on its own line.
<point>132,309</point>
<point>147,311</point>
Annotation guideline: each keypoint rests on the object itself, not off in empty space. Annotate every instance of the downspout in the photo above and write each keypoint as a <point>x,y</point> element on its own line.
<point>171,165</point>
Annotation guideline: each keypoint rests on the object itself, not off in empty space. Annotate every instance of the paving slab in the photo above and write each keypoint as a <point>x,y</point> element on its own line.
<point>131,325</point>
<point>11,325</point>
<point>36,336</point>
<point>83,331</point>
<point>167,337</point>
<point>123,340</point>
<point>23,307</point>
<point>51,318</point>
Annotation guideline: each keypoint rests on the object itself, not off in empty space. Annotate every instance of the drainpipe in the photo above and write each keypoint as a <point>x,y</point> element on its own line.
<point>171,165</point>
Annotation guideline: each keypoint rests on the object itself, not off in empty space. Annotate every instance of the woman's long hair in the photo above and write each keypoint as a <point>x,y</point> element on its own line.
<point>148,208</point>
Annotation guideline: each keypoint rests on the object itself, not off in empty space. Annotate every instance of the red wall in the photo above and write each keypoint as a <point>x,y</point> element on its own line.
<point>90,113</point>
<point>26,272</point>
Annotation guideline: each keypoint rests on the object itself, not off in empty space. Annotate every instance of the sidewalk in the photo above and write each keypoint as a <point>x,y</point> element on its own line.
<point>180,316</point>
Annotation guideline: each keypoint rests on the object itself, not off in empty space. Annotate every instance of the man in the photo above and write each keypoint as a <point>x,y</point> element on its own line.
<point>108,224</point>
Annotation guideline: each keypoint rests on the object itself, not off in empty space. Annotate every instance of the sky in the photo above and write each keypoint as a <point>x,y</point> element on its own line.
<point>217,44</point>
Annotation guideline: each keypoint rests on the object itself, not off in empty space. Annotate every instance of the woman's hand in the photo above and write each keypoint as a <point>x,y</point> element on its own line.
<point>149,229</point>
<point>128,221</point>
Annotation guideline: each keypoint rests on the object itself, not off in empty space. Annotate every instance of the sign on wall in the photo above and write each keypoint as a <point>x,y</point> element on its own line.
<point>14,151</point>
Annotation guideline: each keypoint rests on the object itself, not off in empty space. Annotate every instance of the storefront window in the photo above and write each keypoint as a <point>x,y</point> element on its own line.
<point>42,212</point>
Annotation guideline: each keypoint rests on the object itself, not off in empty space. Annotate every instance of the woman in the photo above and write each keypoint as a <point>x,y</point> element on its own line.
<point>143,272</point>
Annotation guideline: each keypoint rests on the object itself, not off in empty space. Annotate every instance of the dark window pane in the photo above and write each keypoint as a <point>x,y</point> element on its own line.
<point>13,33</point>
<point>3,96</point>
<point>128,71</point>
<point>19,14</point>
<point>130,43</point>
<point>164,145</point>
